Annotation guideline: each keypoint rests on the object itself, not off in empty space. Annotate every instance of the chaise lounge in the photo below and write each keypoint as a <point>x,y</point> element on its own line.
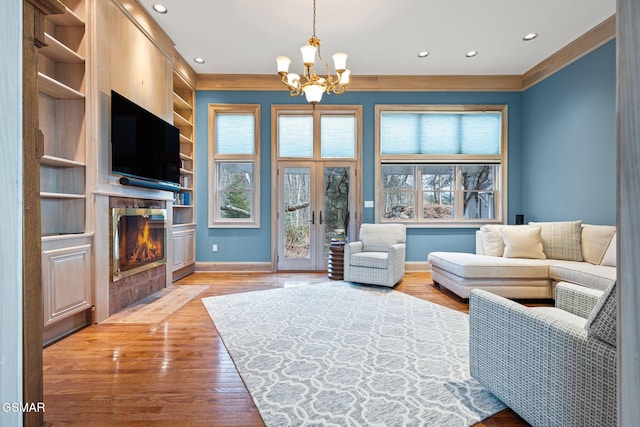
<point>529,261</point>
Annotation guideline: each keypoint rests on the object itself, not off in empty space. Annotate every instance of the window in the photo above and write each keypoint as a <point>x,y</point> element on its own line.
<point>441,165</point>
<point>297,137</point>
<point>234,150</point>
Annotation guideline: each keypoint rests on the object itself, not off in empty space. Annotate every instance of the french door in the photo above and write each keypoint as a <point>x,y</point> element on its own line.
<point>316,201</point>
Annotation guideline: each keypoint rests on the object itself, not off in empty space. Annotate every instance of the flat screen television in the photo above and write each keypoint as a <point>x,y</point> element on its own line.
<point>143,146</point>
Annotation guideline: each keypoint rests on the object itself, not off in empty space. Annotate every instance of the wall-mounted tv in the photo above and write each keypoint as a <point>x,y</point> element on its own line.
<point>143,146</point>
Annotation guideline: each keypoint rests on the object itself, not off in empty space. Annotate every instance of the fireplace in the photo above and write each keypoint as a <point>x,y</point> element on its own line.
<point>139,240</point>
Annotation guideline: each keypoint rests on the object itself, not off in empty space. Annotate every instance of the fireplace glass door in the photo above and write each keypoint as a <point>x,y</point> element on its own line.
<point>139,240</point>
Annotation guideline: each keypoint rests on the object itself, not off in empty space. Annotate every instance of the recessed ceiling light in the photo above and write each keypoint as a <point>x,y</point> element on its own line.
<point>423,54</point>
<point>199,60</point>
<point>530,36</point>
<point>471,54</point>
<point>159,8</point>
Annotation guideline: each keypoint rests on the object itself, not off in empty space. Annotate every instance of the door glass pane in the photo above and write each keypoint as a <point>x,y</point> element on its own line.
<point>295,136</point>
<point>336,203</point>
<point>297,226</point>
<point>338,136</point>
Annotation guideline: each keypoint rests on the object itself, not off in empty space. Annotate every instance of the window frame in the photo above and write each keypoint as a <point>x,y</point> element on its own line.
<point>215,220</point>
<point>417,160</point>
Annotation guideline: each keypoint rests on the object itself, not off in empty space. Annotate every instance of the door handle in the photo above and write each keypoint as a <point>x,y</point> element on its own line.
<point>321,218</point>
<point>313,217</point>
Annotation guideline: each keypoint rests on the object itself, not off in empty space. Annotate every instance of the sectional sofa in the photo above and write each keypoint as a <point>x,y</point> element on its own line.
<point>528,261</point>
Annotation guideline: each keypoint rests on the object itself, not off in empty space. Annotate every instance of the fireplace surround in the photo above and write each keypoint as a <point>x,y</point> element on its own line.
<point>136,271</point>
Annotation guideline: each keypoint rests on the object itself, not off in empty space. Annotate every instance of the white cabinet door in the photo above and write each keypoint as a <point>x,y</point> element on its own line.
<point>189,247</point>
<point>178,249</point>
<point>66,281</point>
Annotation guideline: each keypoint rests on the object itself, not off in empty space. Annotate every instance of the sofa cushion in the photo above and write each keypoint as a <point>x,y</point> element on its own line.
<point>584,274</point>
<point>561,240</point>
<point>522,242</point>
<point>602,322</point>
<point>595,241</point>
<point>485,266</point>
<point>369,259</point>
<point>609,257</point>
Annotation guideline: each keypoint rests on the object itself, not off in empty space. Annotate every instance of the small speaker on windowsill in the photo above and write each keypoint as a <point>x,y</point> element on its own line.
<point>519,219</point>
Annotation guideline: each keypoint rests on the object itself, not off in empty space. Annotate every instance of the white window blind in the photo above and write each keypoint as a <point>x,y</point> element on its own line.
<point>440,133</point>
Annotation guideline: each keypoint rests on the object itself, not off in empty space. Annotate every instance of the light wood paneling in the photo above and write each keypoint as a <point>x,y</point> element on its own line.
<point>177,371</point>
<point>628,212</point>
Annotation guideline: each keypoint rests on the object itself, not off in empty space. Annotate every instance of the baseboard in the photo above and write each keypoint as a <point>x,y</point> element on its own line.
<point>234,267</point>
<point>265,267</point>
<point>417,266</point>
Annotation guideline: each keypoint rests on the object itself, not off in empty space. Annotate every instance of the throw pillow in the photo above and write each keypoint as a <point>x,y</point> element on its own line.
<point>595,240</point>
<point>523,242</point>
<point>561,240</point>
<point>609,257</point>
<point>492,242</point>
<point>602,321</point>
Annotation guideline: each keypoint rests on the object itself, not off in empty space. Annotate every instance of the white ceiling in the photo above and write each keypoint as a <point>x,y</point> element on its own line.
<point>382,37</point>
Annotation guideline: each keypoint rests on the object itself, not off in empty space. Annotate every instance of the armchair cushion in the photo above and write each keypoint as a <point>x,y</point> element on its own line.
<point>369,259</point>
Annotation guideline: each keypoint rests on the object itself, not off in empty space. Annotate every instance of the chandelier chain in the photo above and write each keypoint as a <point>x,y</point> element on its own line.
<point>314,19</point>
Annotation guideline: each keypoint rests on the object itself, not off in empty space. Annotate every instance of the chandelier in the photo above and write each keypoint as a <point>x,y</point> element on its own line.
<point>310,84</point>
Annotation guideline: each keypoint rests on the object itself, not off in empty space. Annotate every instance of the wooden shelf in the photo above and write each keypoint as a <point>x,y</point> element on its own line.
<point>55,89</point>
<point>185,172</point>
<point>182,207</point>
<point>61,196</point>
<point>66,19</point>
<point>185,140</point>
<point>59,162</point>
<point>185,157</point>
<point>179,103</point>
<point>59,52</point>
<point>180,121</point>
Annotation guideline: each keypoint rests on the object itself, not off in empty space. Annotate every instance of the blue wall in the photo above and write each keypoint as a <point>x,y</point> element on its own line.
<point>569,141</point>
<point>561,154</point>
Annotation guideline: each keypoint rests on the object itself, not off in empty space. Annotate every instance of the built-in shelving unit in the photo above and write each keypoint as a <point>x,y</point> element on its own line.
<point>62,110</point>
<point>183,230</point>
<point>183,114</point>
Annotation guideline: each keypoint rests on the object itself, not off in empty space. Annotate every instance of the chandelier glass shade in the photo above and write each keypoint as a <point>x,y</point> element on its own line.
<point>312,85</point>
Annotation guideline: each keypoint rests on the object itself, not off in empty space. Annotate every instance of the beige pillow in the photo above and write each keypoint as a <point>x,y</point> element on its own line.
<point>523,242</point>
<point>609,257</point>
<point>492,243</point>
<point>561,240</point>
<point>595,240</point>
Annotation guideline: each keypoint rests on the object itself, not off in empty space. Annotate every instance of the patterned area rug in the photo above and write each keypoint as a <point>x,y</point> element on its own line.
<point>337,354</point>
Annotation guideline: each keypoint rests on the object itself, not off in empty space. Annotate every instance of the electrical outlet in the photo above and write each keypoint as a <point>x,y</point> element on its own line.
<point>215,248</point>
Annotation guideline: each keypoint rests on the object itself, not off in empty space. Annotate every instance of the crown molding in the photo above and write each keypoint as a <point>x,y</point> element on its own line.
<point>575,50</point>
<point>583,45</point>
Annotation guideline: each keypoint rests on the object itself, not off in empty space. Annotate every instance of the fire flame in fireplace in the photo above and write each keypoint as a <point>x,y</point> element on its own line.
<point>147,248</point>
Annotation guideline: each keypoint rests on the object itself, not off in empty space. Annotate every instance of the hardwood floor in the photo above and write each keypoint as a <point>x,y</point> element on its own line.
<point>177,372</point>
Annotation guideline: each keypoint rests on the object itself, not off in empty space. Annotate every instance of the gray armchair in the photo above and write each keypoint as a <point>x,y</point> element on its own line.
<point>554,366</point>
<point>378,258</point>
